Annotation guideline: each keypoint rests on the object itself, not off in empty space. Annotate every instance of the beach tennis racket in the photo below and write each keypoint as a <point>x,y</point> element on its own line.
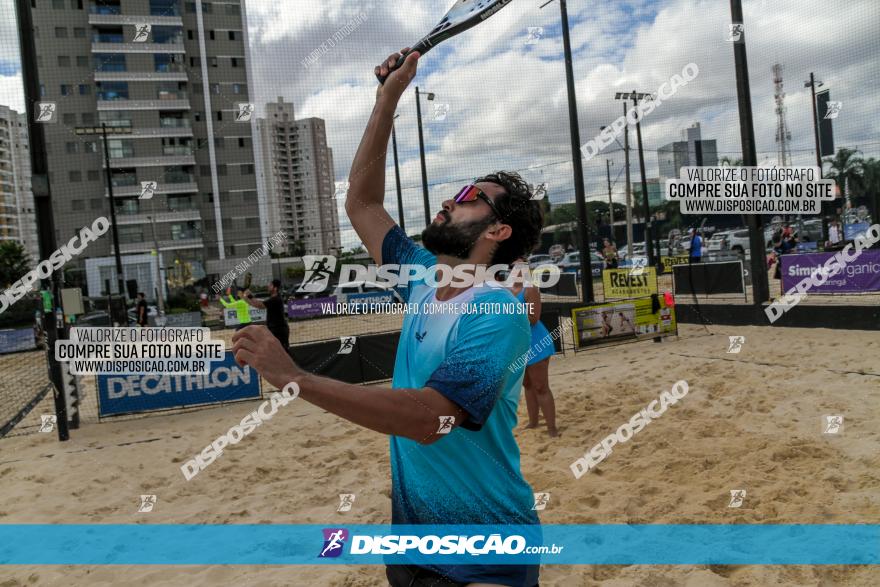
<point>463,15</point>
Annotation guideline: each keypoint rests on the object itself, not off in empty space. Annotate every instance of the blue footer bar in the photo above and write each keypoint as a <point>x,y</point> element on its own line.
<point>609,544</point>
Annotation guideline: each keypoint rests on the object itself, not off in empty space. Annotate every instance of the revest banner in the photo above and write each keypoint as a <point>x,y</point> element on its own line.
<point>861,275</point>
<point>630,319</point>
<point>626,283</point>
<point>131,394</point>
<point>670,262</point>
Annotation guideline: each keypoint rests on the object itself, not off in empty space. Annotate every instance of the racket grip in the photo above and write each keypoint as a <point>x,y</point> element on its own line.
<point>397,65</point>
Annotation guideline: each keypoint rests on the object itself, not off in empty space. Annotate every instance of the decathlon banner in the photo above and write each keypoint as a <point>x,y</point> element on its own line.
<point>629,283</point>
<point>859,275</point>
<point>285,544</point>
<point>630,319</point>
<point>134,394</point>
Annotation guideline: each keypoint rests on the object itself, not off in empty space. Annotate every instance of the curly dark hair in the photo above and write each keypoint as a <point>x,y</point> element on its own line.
<point>520,212</point>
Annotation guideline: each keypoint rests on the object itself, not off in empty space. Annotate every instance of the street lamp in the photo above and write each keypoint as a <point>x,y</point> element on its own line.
<point>813,83</point>
<point>122,318</point>
<point>422,156</point>
<point>649,240</point>
<point>397,176</point>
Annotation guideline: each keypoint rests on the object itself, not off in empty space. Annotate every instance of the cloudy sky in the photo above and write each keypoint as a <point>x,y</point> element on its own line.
<point>507,99</point>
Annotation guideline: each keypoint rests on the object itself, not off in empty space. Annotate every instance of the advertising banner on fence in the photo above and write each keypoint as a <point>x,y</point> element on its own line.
<point>860,275</point>
<point>12,341</point>
<point>309,308</point>
<point>230,318</point>
<point>627,283</point>
<point>631,319</point>
<point>132,394</point>
<point>184,320</point>
<point>360,302</point>
<point>670,262</point>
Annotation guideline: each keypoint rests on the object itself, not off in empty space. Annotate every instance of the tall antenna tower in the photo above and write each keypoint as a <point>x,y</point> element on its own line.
<point>783,135</point>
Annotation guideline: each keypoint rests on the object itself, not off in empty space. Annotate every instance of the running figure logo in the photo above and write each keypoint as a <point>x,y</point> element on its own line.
<point>45,111</point>
<point>142,33</point>
<point>245,112</point>
<point>833,110</point>
<point>440,112</point>
<point>833,425</point>
<point>736,344</point>
<point>147,503</point>
<point>346,345</point>
<point>319,270</point>
<point>446,424</point>
<point>735,32</point>
<point>148,188</point>
<point>346,500</point>
<point>541,501</point>
<point>47,422</point>
<point>540,191</point>
<point>737,496</point>
<point>534,34</point>
<point>334,540</point>
<point>341,190</point>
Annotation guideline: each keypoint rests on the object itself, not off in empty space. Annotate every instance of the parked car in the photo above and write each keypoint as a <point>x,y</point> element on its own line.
<point>571,262</point>
<point>735,241</point>
<point>535,260</point>
<point>132,313</point>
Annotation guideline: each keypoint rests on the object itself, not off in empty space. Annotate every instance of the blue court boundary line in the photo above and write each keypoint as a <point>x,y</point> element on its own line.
<point>297,544</point>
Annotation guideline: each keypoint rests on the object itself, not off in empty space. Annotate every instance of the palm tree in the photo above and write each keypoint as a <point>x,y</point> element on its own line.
<point>871,184</point>
<point>845,169</point>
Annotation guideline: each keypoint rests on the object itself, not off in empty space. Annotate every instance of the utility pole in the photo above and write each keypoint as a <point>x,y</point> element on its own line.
<point>422,155</point>
<point>397,177</point>
<point>760,286</point>
<point>579,196</point>
<point>121,319</point>
<point>649,241</point>
<point>160,283</point>
<point>608,165</point>
<point>629,203</point>
<point>813,83</point>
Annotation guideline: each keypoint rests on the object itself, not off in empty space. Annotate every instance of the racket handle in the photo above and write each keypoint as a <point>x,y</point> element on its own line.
<point>397,65</point>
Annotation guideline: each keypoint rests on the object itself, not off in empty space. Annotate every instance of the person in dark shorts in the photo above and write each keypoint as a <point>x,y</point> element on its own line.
<point>141,309</point>
<point>276,319</point>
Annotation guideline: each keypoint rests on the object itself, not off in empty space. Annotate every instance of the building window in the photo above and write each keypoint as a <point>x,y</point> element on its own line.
<point>236,88</point>
<point>220,115</point>
<point>189,34</point>
<point>233,61</point>
<point>90,147</point>
<point>221,170</point>
<point>71,148</point>
<point>109,62</point>
<point>215,89</point>
<point>96,204</point>
<point>68,118</point>
<point>94,175</point>
<point>211,35</point>
<point>213,62</point>
<point>63,61</point>
<point>82,61</point>
<point>231,35</point>
<point>77,205</point>
<point>79,32</point>
<point>75,176</point>
<point>233,9</point>
<point>247,169</point>
<point>110,91</point>
<point>58,4</point>
<point>88,118</point>
<point>219,142</point>
<point>193,61</point>
<point>241,143</point>
<point>85,89</point>
<point>60,32</point>
<point>66,89</point>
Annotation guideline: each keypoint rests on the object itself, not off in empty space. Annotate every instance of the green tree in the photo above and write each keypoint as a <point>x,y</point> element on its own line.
<point>846,169</point>
<point>870,186</point>
<point>14,262</point>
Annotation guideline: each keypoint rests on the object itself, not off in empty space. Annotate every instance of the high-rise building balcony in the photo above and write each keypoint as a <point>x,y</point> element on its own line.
<point>145,214</point>
<point>164,245</point>
<point>138,48</point>
<point>162,188</point>
<point>160,161</point>
<point>115,18</point>
<point>141,76</point>
<point>179,104</point>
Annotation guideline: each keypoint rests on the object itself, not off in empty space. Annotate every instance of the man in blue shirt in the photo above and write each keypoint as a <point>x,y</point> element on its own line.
<point>451,408</point>
<point>696,252</point>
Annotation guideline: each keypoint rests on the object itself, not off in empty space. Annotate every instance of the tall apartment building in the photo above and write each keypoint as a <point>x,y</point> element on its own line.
<point>298,179</point>
<point>17,219</point>
<point>691,151</point>
<point>167,78</point>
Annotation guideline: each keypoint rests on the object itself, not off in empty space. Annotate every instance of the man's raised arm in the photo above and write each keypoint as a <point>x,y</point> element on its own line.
<point>366,190</point>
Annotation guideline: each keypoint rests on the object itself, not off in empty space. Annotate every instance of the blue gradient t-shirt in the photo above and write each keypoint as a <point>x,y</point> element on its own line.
<point>472,476</point>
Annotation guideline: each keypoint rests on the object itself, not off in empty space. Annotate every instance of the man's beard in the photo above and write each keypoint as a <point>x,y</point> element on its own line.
<point>454,240</point>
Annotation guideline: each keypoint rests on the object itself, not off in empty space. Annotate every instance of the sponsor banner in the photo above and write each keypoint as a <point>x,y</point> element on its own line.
<point>288,544</point>
<point>133,394</point>
<point>631,319</point>
<point>670,262</point>
<point>185,320</point>
<point>361,302</point>
<point>860,275</point>
<point>12,341</point>
<point>309,308</point>
<point>629,283</point>
<point>230,316</point>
